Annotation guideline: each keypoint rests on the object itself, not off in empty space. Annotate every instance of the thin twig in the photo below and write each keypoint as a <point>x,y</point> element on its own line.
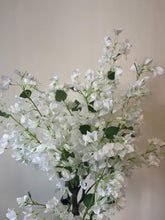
<point>25,129</point>
<point>35,106</point>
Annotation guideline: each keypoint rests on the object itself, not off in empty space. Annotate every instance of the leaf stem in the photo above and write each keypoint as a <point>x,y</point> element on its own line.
<point>68,109</point>
<point>85,213</point>
<point>96,183</point>
<point>36,203</point>
<point>25,129</point>
<point>79,91</point>
<point>22,87</point>
<point>35,106</point>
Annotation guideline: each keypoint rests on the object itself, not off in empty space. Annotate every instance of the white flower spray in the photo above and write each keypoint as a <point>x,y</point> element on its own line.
<point>86,145</point>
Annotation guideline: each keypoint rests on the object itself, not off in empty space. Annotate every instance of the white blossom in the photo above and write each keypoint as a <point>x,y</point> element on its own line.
<point>90,137</point>
<point>66,174</point>
<point>22,200</point>
<point>118,31</point>
<point>5,82</point>
<point>82,134</point>
<point>106,151</point>
<point>90,75</point>
<point>24,75</point>
<point>51,204</point>
<point>54,82</point>
<point>133,68</point>
<point>125,48</point>
<point>148,61</point>
<point>75,75</point>
<point>156,141</point>
<point>4,141</point>
<point>11,214</point>
<point>29,216</point>
<point>153,160</point>
<point>158,71</point>
<point>118,70</point>
<point>107,43</point>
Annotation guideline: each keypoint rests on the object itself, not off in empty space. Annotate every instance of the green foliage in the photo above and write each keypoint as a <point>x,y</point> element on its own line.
<point>112,169</point>
<point>91,109</point>
<point>111,75</point>
<point>26,94</point>
<point>92,103</point>
<point>30,196</point>
<point>4,114</point>
<point>84,128</point>
<point>59,174</point>
<point>65,200</point>
<point>77,106</point>
<point>110,201</point>
<point>72,88</point>
<point>127,128</point>
<point>89,200</point>
<point>111,131</point>
<point>65,154</point>
<point>86,164</point>
<point>60,95</point>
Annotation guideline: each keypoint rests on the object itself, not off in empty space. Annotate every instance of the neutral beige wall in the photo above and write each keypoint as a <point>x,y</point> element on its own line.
<point>47,37</point>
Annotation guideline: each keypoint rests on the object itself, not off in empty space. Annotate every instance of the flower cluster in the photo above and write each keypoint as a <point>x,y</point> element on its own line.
<point>86,145</point>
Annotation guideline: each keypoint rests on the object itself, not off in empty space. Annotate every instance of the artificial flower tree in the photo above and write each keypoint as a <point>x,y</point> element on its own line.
<point>86,145</point>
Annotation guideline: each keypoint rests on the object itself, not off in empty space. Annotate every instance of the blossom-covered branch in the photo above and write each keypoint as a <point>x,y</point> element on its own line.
<point>85,145</point>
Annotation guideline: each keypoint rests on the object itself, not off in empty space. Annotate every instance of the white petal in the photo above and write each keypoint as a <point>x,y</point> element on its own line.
<point>118,31</point>
<point>118,70</point>
<point>133,68</point>
<point>148,61</point>
<point>159,70</point>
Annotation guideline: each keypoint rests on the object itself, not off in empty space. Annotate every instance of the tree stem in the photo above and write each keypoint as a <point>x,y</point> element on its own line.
<point>75,205</point>
<point>75,208</point>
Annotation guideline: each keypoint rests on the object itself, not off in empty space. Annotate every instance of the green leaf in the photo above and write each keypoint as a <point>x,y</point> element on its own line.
<point>124,134</point>
<point>65,199</point>
<point>59,174</point>
<point>112,169</point>
<point>72,88</point>
<point>4,114</point>
<point>91,109</point>
<point>84,128</point>
<point>77,106</point>
<point>89,200</point>
<point>86,164</point>
<point>127,128</point>
<point>133,135</point>
<point>92,103</point>
<point>110,201</point>
<point>75,181</point>
<point>65,154</point>
<point>29,194</point>
<point>111,131</point>
<point>60,95</point>
<point>111,75</point>
<point>26,93</point>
